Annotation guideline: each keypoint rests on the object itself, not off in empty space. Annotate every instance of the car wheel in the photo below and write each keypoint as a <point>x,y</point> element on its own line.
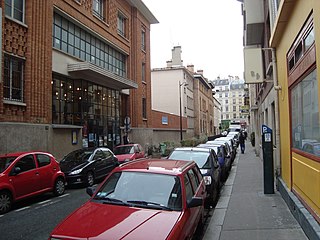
<point>59,187</point>
<point>90,179</point>
<point>5,202</point>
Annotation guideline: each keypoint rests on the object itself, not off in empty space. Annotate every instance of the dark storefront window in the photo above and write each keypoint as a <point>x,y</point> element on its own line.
<point>79,43</point>
<point>95,108</point>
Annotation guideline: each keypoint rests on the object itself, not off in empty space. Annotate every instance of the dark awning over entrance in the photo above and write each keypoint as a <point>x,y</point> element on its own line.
<point>98,75</point>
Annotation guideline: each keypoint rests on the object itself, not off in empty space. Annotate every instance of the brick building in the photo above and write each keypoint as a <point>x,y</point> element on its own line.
<point>72,70</point>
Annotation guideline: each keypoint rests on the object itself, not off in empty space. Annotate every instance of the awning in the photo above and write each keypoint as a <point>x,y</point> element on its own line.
<point>98,75</point>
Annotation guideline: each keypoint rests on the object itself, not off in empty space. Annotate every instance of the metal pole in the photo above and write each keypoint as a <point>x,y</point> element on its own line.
<point>181,137</point>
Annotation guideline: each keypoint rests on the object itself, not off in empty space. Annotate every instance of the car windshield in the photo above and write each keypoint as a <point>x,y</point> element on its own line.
<point>78,156</point>
<point>147,190</point>
<point>5,163</point>
<point>123,150</point>
<point>201,158</point>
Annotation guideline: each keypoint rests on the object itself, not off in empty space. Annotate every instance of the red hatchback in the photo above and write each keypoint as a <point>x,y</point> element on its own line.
<point>142,199</point>
<point>27,174</point>
<point>128,152</point>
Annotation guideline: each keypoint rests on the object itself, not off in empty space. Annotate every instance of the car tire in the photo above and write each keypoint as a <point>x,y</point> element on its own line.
<point>90,179</point>
<point>5,201</point>
<point>59,187</point>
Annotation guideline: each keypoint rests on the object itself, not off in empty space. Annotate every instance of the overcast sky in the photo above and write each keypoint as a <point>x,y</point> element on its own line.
<point>208,31</point>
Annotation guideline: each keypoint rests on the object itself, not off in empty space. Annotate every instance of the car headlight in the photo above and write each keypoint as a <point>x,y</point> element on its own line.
<point>75,172</point>
<point>207,180</point>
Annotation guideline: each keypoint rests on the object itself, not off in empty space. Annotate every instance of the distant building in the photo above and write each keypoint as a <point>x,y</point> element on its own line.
<point>231,94</point>
<point>175,84</point>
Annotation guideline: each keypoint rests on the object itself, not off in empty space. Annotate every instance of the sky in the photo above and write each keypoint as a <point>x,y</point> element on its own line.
<point>209,32</point>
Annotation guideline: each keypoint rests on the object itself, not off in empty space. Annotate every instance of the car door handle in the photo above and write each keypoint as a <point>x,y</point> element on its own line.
<point>37,173</point>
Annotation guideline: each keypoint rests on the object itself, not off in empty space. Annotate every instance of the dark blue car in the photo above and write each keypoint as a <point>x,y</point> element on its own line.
<point>223,158</point>
<point>207,161</point>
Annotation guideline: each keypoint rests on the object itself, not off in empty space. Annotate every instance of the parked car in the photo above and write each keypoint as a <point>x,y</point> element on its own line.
<point>233,146</point>
<point>207,161</point>
<point>26,174</point>
<point>84,166</point>
<point>229,148</point>
<point>312,147</point>
<point>235,136</point>
<point>142,199</point>
<point>128,152</point>
<point>223,160</point>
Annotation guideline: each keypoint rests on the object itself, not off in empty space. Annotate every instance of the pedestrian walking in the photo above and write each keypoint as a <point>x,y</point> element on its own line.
<point>242,139</point>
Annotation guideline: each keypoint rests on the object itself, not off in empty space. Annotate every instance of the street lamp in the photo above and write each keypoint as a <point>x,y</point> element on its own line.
<point>181,84</point>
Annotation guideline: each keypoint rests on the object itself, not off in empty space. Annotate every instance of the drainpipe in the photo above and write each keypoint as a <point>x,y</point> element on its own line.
<point>277,88</point>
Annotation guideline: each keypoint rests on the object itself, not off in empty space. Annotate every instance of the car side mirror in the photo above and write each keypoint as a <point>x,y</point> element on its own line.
<point>16,171</point>
<point>90,191</point>
<point>195,202</point>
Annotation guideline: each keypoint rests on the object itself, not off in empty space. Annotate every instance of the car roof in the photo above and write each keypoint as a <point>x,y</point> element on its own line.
<point>127,145</point>
<point>154,165</point>
<point>195,149</point>
<point>17,154</point>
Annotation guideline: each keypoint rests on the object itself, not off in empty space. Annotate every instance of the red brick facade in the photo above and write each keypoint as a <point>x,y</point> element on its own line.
<point>173,121</point>
<point>32,41</point>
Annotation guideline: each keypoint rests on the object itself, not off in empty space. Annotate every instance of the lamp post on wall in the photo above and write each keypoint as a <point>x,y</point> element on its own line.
<point>181,84</point>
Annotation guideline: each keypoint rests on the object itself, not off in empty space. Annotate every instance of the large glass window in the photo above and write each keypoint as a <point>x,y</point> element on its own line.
<point>13,78</point>
<point>15,9</point>
<point>305,115</point>
<point>79,43</point>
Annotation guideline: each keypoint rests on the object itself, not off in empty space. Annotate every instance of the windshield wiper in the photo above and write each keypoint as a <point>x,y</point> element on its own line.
<point>150,204</point>
<point>107,200</point>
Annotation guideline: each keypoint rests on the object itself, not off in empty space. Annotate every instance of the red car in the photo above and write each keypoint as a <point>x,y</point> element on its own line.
<point>141,199</point>
<point>27,174</point>
<point>128,152</point>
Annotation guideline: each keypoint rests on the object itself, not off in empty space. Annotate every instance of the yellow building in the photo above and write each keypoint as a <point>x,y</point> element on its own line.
<point>296,36</point>
<point>281,39</point>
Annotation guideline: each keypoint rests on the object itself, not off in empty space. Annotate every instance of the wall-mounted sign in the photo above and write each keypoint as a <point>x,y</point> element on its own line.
<point>253,67</point>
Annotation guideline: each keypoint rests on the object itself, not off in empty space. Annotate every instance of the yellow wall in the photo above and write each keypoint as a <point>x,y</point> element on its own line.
<point>299,173</point>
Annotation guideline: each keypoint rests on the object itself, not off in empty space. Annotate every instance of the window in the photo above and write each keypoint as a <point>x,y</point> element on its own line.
<point>143,39</point>
<point>227,109</point>
<point>188,187</point>
<point>234,115</point>
<point>143,72</point>
<point>226,101</point>
<point>43,160</point>
<point>234,101</point>
<point>234,108</point>
<point>305,115</point>
<point>122,21</point>
<point>15,9</point>
<point>13,78</point>
<point>144,107</point>
<point>194,179</point>
<point>97,7</point>
<point>75,41</point>
<point>26,163</point>
<point>226,94</point>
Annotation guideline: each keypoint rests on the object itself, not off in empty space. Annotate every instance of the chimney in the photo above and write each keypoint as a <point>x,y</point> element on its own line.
<point>190,68</point>
<point>176,57</point>
<point>200,72</point>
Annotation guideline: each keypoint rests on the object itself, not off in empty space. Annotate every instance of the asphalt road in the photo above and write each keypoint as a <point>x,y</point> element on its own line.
<point>35,218</point>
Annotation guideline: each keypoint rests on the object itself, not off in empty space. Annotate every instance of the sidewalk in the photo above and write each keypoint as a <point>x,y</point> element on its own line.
<point>244,212</point>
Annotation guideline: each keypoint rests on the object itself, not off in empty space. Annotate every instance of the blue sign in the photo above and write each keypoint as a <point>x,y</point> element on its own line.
<point>266,129</point>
